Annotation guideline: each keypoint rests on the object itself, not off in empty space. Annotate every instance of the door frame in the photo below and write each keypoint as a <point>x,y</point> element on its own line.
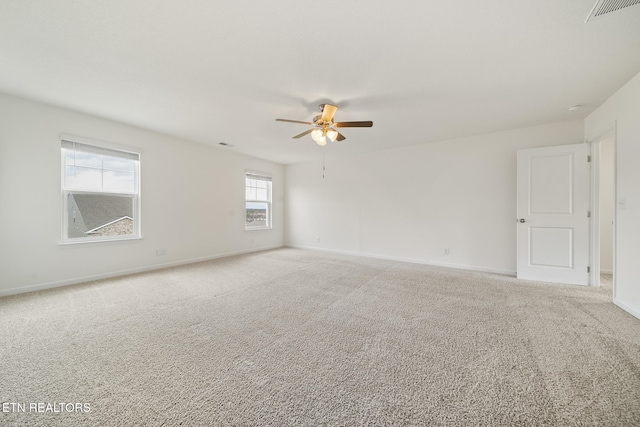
<point>594,275</point>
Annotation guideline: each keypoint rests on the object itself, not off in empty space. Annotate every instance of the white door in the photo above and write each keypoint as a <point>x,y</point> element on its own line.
<point>553,205</point>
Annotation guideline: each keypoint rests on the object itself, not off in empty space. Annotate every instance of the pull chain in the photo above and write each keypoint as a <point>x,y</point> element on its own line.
<point>323,168</point>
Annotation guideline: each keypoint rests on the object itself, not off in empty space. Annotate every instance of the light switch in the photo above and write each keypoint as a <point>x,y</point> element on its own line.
<point>622,203</point>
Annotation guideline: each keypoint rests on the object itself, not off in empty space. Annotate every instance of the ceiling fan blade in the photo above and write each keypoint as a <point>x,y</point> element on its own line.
<point>340,137</point>
<point>307,132</point>
<point>293,121</point>
<point>328,111</point>
<point>366,124</point>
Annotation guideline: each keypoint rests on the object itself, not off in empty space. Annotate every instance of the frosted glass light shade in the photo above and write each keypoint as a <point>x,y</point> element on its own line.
<point>332,134</point>
<point>316,134</point>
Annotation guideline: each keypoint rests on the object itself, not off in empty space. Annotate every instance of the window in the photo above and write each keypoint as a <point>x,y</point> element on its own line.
<point>257,201</point>
<point>100,189</point>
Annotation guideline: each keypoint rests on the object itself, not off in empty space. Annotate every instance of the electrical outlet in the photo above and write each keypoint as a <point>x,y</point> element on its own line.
<point>317,239</point>
<point>161,251</point>
<point>446,251</point>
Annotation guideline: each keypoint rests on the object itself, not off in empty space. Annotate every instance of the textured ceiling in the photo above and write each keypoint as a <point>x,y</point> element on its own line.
<point>222,71</point>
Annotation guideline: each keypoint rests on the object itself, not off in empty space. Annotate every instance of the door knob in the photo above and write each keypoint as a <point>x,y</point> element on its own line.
<point>522,220</point>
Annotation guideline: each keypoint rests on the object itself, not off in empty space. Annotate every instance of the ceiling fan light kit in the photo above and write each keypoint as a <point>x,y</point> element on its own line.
<point>324,126</point>
<point>319,136</point>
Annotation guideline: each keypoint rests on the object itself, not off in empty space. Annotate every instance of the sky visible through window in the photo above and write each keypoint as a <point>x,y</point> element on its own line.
<point>99,172</point>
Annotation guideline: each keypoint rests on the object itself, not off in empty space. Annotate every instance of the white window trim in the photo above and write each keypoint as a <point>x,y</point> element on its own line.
<point>137,235</point>
<point>267,177</point>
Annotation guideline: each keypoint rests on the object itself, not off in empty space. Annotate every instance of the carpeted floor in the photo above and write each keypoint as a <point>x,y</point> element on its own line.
<point>291,337</point>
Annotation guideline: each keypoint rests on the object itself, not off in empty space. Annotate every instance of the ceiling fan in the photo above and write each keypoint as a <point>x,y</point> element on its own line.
<point>324,127</point>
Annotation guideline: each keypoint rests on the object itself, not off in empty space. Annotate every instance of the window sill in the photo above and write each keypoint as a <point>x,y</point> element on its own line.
<point>258,228</point>
<point>79,243</point>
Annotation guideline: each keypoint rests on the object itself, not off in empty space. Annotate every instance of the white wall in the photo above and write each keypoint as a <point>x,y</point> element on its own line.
<point>607,204</point>
<point>192,200</point>
<point>411,203</point>
<point>622,112</point>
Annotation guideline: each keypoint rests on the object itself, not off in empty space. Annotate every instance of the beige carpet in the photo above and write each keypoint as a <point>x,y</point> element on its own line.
<point>291,337</point>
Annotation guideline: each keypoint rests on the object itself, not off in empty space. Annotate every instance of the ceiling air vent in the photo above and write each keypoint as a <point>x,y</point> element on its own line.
<point>602,7</point>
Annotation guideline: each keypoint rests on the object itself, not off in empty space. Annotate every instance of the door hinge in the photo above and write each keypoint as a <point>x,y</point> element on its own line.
<point>588,214</point>
<point>588,269</point>
<point>588,159</point>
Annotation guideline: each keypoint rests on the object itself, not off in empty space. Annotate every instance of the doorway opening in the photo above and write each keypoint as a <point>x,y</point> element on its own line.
<point>604,207</point>
<point>607,206</point>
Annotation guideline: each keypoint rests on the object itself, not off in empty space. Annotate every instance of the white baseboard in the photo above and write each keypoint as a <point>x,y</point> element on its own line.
<point>410,260</point>
<point>626,308</point>
<point>90,278</point>
<point>606,271</point>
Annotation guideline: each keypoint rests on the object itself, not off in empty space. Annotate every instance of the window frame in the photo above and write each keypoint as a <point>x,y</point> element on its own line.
<point>269,180</point>
<point>128,152</point>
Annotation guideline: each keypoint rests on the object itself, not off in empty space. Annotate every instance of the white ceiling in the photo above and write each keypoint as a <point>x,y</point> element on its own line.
<point>222,71</point>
